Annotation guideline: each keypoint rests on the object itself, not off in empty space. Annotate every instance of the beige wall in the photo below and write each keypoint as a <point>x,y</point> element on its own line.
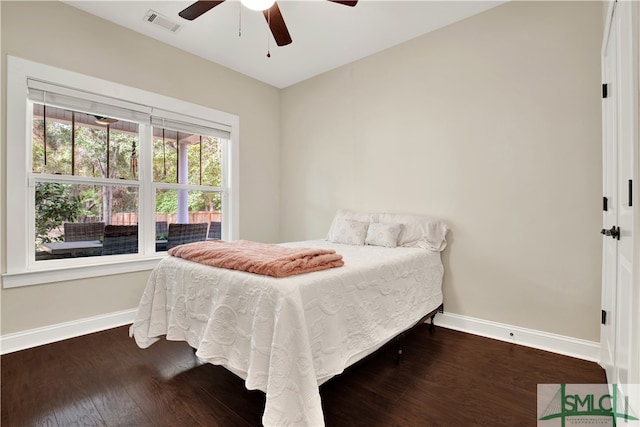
<point>56,34</point>
<point>492,123</point>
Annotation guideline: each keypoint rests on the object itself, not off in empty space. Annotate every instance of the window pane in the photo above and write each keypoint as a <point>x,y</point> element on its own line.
<point>187,207</point>
<point>91,147</point>
<point>51,140</point>
<point>165,156</point>
<point>70,220</point>
<point>185,158</point>
<point>98,147</point>
<point>212,162</point>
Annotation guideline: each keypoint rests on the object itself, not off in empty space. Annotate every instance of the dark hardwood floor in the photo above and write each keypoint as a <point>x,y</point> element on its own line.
<point>446,378</point>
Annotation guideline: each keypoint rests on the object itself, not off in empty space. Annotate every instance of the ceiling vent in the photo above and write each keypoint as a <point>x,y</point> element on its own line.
<point>155,18</point>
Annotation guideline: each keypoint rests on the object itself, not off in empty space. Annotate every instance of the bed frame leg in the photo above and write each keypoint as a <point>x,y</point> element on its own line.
<point>399,355</point>
<point>432,328</point>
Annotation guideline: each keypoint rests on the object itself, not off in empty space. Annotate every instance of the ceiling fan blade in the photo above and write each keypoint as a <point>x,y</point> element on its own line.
<point>197,9</point>
<point>346,3</point>
<point>277,26</point>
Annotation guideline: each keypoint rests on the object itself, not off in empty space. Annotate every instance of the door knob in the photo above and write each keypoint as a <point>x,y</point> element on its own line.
<point>614,232</point>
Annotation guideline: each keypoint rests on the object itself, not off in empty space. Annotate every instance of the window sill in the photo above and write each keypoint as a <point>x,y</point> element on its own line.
<point>14,280</point>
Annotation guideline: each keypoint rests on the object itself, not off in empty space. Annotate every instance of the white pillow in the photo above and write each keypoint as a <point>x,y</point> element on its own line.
<point>347,214</point>
<point>418,231</point>
<point>350,231</point>
<point>380,234</point>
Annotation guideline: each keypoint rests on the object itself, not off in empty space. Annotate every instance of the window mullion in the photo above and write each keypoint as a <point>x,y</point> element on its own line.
<point>147,204</point>
<point>68,179</point>
<point>108,153</point>
<point>73,143</point>
<point>189,187</point>
<point>44,135</point>
<point>228,224</point>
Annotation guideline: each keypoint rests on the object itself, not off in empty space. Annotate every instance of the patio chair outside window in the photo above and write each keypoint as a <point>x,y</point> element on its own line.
<point>215,230</point>
<point>161,229</point>
<point>186,233</point>
<point>81,231</point>
<point>120,239</point>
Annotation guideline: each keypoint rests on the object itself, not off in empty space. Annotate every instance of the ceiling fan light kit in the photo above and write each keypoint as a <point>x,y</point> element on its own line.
<point>258,5</point>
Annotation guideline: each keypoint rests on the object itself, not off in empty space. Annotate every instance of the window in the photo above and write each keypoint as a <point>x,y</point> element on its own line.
<point>95,181</point>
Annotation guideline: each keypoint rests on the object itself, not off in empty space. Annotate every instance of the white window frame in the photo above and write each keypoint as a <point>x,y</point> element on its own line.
<point>21,270</point>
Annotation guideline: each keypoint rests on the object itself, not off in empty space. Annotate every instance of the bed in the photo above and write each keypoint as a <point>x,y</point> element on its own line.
<point>287,336</point>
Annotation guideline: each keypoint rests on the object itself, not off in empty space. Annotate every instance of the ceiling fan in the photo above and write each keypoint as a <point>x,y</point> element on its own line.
<point>269,9</point>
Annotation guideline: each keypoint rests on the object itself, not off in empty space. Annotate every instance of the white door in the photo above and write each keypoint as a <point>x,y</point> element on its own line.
<point>610,204</point>
<point>619,334</point>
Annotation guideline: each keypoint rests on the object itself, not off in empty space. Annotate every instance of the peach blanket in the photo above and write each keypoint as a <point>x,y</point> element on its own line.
<point>259,258</point>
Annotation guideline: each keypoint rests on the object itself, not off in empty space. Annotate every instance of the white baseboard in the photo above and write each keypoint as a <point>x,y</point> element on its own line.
<point>574,347</point>
<point>62,331</point>
<point>581,349</point>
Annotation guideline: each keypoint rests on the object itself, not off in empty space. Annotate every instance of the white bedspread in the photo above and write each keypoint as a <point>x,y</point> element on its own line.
<point>287,336</point>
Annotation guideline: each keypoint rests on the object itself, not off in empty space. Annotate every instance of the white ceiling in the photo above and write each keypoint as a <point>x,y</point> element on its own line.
<point>325,35</point>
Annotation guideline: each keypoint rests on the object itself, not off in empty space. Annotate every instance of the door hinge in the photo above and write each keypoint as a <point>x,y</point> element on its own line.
<point>603,317</point>
<point>630,193</point>
<point>605,204</point>
<point>605,90</point>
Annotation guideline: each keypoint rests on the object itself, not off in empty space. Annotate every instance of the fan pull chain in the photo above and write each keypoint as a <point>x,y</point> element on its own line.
<point>268,38</point>
<point>240,21</point>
